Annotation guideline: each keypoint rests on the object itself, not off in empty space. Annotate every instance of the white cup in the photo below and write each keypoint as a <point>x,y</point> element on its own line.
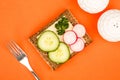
<point>93,6</point>
<point>109,25</point>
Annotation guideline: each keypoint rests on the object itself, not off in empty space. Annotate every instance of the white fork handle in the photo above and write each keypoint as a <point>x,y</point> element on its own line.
<point>35,75</point>
<point>25,62</point>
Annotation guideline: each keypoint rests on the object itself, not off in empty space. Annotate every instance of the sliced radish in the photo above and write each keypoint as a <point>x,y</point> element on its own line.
<point>79,30</point>
<point>70,37</point>
<point>78,45</point>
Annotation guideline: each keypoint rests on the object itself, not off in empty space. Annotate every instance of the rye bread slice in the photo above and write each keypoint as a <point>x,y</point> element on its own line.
<point>71,18</point>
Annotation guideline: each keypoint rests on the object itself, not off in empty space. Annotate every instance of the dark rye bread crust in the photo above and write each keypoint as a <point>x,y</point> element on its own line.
<point>73,21</point>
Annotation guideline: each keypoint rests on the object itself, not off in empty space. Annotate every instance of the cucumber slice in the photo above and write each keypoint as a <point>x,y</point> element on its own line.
<point>60,55</point>
<point>48,41</point>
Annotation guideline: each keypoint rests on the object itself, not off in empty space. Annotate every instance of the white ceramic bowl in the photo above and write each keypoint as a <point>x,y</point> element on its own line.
<point>109,25</point>
<point>93,6</point>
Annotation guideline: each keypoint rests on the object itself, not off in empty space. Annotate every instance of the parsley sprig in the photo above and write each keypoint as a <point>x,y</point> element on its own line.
<point>62,25</point>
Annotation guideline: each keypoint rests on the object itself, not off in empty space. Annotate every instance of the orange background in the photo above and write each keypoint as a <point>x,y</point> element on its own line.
<point>21,18</point>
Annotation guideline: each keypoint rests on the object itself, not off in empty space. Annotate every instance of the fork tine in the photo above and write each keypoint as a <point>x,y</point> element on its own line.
<point>16,50</point>
<point>12,49</point>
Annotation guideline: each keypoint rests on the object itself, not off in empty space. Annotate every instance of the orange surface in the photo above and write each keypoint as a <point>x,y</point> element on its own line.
<point>21,18</point>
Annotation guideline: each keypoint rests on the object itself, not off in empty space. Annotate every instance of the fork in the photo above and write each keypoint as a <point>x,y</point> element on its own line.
<point>21,56</point>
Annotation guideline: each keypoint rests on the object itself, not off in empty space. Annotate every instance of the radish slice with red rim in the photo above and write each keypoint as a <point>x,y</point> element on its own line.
<point>79,30</point>
<point>70,37</point>
<point>78,45</point>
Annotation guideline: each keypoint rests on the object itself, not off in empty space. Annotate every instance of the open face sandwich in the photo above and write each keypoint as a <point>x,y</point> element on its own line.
<point>60,39</point>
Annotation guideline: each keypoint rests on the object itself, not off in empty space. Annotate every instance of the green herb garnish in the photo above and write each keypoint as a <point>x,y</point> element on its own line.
<point>61,25</point>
